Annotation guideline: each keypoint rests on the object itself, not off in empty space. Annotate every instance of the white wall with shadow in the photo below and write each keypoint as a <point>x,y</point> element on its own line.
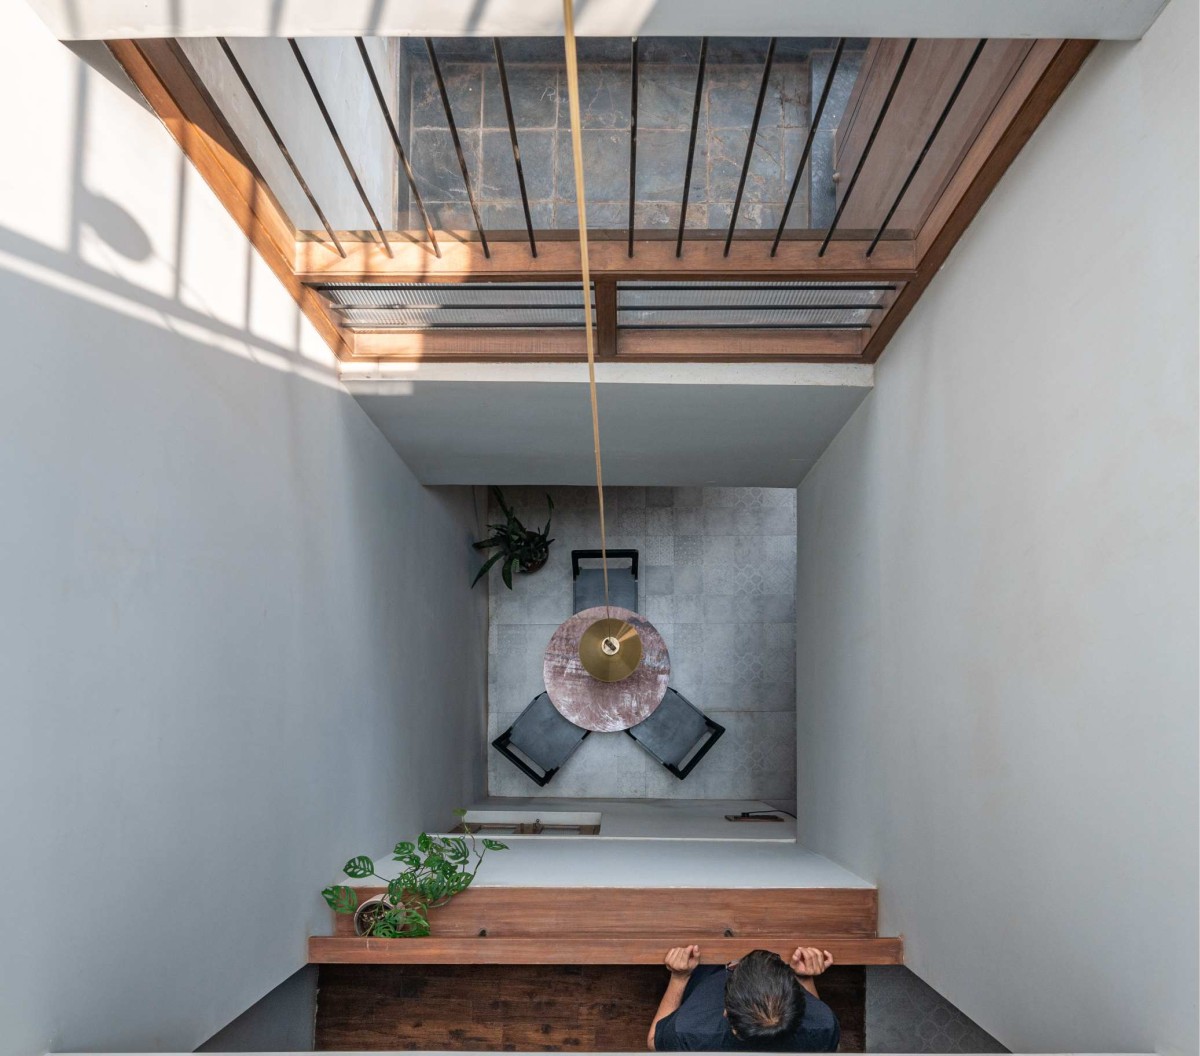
<point>229,610</point>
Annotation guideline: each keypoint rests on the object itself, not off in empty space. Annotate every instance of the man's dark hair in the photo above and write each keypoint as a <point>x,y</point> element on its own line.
<point>764,1000</point>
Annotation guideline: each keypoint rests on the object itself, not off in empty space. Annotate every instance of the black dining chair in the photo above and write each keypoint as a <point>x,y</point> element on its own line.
<point>677,734</point>
<point>540,741</point>
<point>589,582</point>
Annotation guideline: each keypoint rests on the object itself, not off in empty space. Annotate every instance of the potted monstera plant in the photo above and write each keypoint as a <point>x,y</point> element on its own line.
<point>515,545</point>
<point>436,869</point>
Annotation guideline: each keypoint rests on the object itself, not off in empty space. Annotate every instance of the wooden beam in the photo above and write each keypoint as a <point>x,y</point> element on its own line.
<point>169,84</point>
<point>630,949</point>
<point>479,346</point>
<point>606,318</point>
<point>1047,70</point>
<point>715,345</point>
<point>633,346</point>
<point>749,260</point>
<point>585,912</point>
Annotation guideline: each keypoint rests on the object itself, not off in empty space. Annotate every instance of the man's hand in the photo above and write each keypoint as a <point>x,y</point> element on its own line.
<point>682,960</point>
<point>808,961</point>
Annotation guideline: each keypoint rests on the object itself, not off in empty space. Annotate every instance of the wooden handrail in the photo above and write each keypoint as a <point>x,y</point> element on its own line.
<point>629,949</point>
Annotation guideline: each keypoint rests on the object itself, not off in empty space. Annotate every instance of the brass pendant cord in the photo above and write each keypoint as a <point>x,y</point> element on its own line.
<point>580,202</point>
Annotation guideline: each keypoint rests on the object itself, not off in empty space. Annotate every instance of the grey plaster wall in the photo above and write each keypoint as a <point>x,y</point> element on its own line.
<point>281,1021</point>
<point>997,611</point>
<point>228,606</point>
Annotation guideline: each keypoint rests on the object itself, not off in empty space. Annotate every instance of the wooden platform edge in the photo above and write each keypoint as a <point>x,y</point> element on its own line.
<point>641,949</point>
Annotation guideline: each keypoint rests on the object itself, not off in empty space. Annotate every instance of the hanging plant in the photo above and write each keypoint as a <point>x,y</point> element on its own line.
<point>516,546</point>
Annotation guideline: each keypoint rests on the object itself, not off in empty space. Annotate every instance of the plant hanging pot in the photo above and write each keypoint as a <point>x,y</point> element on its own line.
<point>367,911</point>
<point>529,567</point>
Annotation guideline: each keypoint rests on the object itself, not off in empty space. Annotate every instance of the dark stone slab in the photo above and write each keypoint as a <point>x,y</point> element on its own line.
<point>609,215</point>
<point>604,96</point>
<point>509,216</point>
<point>740,50</point>
<point>534,91</point>
<point>464,86</point>
<point>603,49</point>
<point>661,162</point>
<point>534,49</point>
<point>685,50</point>
<point>665,96</point>
<point>733,94</point>
<point>499,172</point>
<point>726,156</point>
<point>436,164</point>
<point>605,165</point>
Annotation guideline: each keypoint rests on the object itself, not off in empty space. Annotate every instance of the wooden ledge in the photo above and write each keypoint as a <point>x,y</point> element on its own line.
<point>640,949</point>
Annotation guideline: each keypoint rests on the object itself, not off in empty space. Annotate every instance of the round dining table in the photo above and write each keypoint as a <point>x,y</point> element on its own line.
<point>605,707</point>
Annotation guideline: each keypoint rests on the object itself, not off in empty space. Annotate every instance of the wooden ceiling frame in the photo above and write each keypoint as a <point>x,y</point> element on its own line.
<point>169,84</point>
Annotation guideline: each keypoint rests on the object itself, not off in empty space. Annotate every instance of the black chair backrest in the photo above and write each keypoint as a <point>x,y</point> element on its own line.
<point>588,583</point>
<point>677,734</point>
<point>540,740</point>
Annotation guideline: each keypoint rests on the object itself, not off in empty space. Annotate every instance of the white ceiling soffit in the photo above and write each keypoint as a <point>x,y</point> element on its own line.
<point>762,425</point>
<point>1085,19</point>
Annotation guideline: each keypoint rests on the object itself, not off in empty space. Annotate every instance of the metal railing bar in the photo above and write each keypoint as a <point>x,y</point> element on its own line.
<point>512,135</point>
<point>689,286</point>
<point>762,95</point>
<point>376,327</point>
<point>274,132</point>
<point>400,152</point>
<point>691,154</point>
<point>887,102</point>
<point>962,80</point>
<point>462,161</point>
<point>738,324</point>
<point>808,142</point>
<point>439,306</point>
<point>308,77</point>
<point>633,124</point>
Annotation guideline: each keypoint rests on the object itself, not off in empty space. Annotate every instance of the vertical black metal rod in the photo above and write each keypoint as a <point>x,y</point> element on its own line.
<point>808,142</point>
<point>633,116</point>
<point>962,80</point>
<point>462,161</point>
<point>512,135</point>
<point>687,172</point>
<point>400,152</point>
<point>762,95</point>
<point>887,102</point>
<point>338,142</point>
<point>266,120</point>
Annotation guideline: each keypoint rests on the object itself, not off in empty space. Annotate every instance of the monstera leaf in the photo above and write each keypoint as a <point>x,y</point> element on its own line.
<point>341,899</point>
<point>359,867</point>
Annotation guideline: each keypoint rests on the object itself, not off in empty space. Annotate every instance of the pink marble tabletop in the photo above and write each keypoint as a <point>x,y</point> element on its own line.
<point>605,707</point>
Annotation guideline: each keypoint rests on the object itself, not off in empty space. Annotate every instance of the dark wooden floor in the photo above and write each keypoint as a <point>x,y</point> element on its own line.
<point>525,1008</point>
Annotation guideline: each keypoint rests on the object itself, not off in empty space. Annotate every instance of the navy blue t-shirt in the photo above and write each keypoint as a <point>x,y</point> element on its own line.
<point>699,1023</point>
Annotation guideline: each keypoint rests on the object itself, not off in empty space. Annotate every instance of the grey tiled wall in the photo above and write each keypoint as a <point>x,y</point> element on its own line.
<point>905,1014</point>
<point>718,570</point>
